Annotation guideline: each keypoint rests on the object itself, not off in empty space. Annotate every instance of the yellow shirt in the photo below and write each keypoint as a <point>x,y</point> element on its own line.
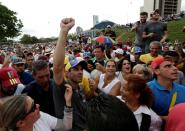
<point>84,84</point>
<point>146,58</point>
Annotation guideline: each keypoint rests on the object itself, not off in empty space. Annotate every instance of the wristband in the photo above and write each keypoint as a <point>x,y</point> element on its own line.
<point>68,109</point>
<point>68,106</point>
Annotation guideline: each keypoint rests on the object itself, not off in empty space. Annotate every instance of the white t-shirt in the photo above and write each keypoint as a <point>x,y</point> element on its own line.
<point>156,121</point>
<point>107,89</point>
<point>87,74</point>
<point>46,122</point>
<point>19,89</point>
<point>120,77</point>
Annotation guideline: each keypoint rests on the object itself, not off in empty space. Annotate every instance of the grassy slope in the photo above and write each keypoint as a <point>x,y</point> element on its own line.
<point>174,29</point>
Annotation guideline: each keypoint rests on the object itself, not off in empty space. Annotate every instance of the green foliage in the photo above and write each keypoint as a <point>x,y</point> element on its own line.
<point>174,29</point>
<point>123,34</point>
<point>34,39</point>
<point>10,26</point>
<point>46,40</point>
<point>27,39</point>
<point>72,37</point>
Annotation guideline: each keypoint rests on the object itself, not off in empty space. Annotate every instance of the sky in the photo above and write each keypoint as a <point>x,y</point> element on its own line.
<point>41,18</point>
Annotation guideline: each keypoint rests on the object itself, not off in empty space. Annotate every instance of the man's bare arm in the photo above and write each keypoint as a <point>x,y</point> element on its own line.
<point>59,53</point>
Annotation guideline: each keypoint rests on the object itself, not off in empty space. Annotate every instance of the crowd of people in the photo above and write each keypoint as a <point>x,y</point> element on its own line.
<point>90,87</point>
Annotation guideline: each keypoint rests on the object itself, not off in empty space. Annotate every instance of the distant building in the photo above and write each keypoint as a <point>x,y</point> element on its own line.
<point>103,24</point>
<point>95,20</point>
<point>79,30</point>
<point>166,7</point>
<point>91,33</point>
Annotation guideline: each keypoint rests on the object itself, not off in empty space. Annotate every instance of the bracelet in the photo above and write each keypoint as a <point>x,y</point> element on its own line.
<point>68,108</point>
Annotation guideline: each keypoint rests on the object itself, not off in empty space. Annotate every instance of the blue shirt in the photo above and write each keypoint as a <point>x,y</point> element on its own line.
<point>25,78</point>
<point>163,97</point>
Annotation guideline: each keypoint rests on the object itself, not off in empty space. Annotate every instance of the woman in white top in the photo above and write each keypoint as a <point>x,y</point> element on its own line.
<point>138,98</point>
<point>108,82</point>
<point>124,68</point>
<point>20,113</point>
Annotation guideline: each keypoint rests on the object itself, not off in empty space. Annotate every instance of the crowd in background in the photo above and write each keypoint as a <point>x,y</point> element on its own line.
<point>95,86</point>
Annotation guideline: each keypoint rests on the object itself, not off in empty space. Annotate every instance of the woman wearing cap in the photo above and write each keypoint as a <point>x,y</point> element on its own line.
<point>108,82</point>
<point>138,97</point>
<point>20,113</point>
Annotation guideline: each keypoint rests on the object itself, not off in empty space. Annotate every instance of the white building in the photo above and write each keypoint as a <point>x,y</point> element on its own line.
<point>95,20</point>
<point>166,7</point>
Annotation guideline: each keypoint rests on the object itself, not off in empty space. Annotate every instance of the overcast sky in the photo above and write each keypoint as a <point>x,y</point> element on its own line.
<point>41,18</point>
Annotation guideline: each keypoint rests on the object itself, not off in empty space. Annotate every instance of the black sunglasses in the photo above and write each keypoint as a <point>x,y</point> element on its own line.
<point>33,108</point>
<point>23,115</point>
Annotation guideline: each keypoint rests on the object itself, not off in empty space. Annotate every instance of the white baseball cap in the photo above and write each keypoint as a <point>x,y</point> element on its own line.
<point>119,51</point>
<point>108,26</point>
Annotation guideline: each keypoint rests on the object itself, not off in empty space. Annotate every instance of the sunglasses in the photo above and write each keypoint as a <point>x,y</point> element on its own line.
<point>33,108</point>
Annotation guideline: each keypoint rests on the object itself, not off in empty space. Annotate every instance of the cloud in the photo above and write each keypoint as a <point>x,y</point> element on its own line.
<point>42,18</point>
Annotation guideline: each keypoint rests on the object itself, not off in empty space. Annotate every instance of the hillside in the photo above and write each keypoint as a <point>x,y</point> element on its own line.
<point>174,29</point>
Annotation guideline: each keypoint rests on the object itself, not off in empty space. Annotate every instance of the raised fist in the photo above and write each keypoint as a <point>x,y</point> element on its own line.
<point>67,23</point>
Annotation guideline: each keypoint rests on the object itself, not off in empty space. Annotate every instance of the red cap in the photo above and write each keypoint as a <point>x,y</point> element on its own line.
<point>157,61</point>
<point>9,77</point>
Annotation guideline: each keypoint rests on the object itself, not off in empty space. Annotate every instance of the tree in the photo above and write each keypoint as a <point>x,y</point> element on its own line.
<point>27,39</point>
<point>72,37</point>
<point>34,39</point>
<point>10,26</point>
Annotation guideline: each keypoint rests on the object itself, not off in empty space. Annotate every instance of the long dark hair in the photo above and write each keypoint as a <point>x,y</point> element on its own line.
<point>119,64</point>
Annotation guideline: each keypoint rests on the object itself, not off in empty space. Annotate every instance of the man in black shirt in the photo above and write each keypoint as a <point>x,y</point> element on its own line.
<point>40,90</point>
